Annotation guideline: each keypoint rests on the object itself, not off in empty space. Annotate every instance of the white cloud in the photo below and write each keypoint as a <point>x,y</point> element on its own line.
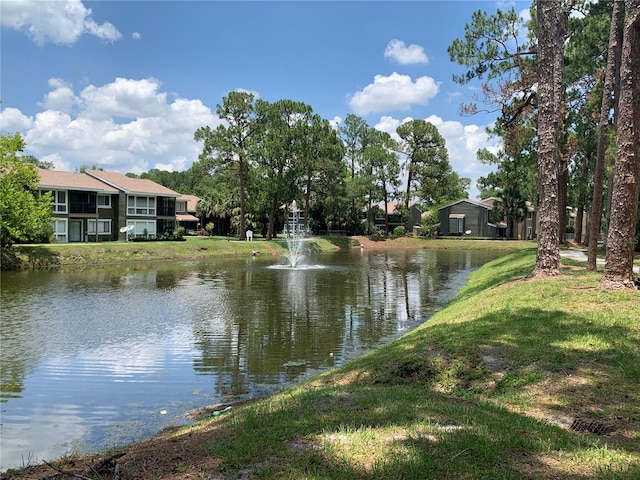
<point>125,98</point>
<point>125,126</point>
<point>136,35</point>
<point>392,93</point>
<point>398,52</point>
<point>61,97</point>
<point>13,120</point>
<point>335,122</point>
<point>57,22</point>
<point>462,143</point>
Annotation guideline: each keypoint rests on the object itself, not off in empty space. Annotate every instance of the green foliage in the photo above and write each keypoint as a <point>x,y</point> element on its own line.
<point>38,163</point>
<point>430,176</point>
<point>485,48</point>
<point>229,145</point>
<point>84,167</point>
<point>399,231</point>
<point>429,223</point>
<point>24,215</point>
<point>377,235</point>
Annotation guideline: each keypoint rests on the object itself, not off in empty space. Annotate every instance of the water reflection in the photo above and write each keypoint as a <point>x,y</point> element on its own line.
<point>91,357</point>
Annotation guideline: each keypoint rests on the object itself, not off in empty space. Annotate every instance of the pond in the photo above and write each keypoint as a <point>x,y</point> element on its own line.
<point>97,357</point>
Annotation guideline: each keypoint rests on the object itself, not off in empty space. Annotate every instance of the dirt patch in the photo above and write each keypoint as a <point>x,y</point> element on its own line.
<point>174,456</point>
<point>365,242</point>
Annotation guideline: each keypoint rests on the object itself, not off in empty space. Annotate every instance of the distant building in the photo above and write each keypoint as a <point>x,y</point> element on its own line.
<point>186,213</point>
<point>378,216</point>
<point>478,219</point>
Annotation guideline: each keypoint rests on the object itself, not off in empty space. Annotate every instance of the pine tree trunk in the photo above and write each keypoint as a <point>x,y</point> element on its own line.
<point>552,21</point>
<point>577,236</point>
<point>241,176</point>
<point>609,79</point>
<point>618,271</point>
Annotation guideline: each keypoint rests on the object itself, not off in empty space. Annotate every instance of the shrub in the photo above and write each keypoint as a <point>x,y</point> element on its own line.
<point>399,231</point>
<point>376,235</point>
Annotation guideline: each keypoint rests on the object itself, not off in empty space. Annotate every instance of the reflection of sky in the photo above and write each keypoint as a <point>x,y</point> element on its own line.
<point>56,426</point>
<point>98,354</point>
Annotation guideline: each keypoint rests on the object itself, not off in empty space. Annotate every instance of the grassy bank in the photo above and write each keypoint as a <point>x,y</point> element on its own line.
<point>78,254</point>
<point>515,379</point>
<point>24,257</point>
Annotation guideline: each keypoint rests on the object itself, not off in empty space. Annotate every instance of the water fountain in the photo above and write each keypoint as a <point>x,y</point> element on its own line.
<point>295,252</point>
<point>295,233</point>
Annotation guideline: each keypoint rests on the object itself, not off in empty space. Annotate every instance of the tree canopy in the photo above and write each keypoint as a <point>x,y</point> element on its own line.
<point>24,215</point>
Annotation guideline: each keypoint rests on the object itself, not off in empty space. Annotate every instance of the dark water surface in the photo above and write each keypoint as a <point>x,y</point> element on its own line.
<point>94,358</point>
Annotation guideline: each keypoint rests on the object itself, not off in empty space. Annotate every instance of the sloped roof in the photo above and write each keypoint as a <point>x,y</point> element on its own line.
<point>186,217</point>
<point>130,185</point>
<point>468,200</point>
<point>491,201</point>
<point>55,180</point>
<point>191,200</point>
<point>391,206</point>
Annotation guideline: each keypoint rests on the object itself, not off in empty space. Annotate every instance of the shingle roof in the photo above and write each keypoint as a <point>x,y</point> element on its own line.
<point>53,179</point>
<point>132,185</point>
<point>191,200</point>
<point>393,207</point>
<point>468,200</point>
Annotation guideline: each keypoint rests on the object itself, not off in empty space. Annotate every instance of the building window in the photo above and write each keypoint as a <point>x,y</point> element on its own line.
<point>104,201</point>
<point>60,230</point>
<point>143,228</point>
<point>456,223</point>
<point>104,227</point>
<point>529,215</point>
<point>141,206</point>
<point>529,233</point>
<point>59,201</point>
<point>181,207</point>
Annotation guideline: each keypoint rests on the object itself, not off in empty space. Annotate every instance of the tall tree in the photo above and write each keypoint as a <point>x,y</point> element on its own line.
<point>279,152</point>
<point>354,134</point>
<point>384,164</point>
<point>24,214</point>
<point>618,270</point>
<point>230,143</point>
<point>552,17</point>
<point>429,173</point>
<point>422,145</point>
<point>613,58</point>
<point>494,53</point>
<point>321,162</point>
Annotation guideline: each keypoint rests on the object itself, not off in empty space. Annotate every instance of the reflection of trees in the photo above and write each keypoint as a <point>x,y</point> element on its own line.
<point>254,325</point>
<point>267,326</point>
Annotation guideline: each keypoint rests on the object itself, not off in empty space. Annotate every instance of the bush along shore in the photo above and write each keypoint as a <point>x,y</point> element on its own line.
<point>515,378</point>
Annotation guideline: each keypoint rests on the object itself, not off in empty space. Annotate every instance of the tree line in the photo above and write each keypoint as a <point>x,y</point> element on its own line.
<point>266,154</point>
<point>568,98</point>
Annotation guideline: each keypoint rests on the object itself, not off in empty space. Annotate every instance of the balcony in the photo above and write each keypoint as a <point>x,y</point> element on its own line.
<point>83,207</point>
<point>166,211</point>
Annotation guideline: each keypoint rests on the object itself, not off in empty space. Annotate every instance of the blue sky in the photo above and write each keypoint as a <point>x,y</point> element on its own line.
<point>125,84</point>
